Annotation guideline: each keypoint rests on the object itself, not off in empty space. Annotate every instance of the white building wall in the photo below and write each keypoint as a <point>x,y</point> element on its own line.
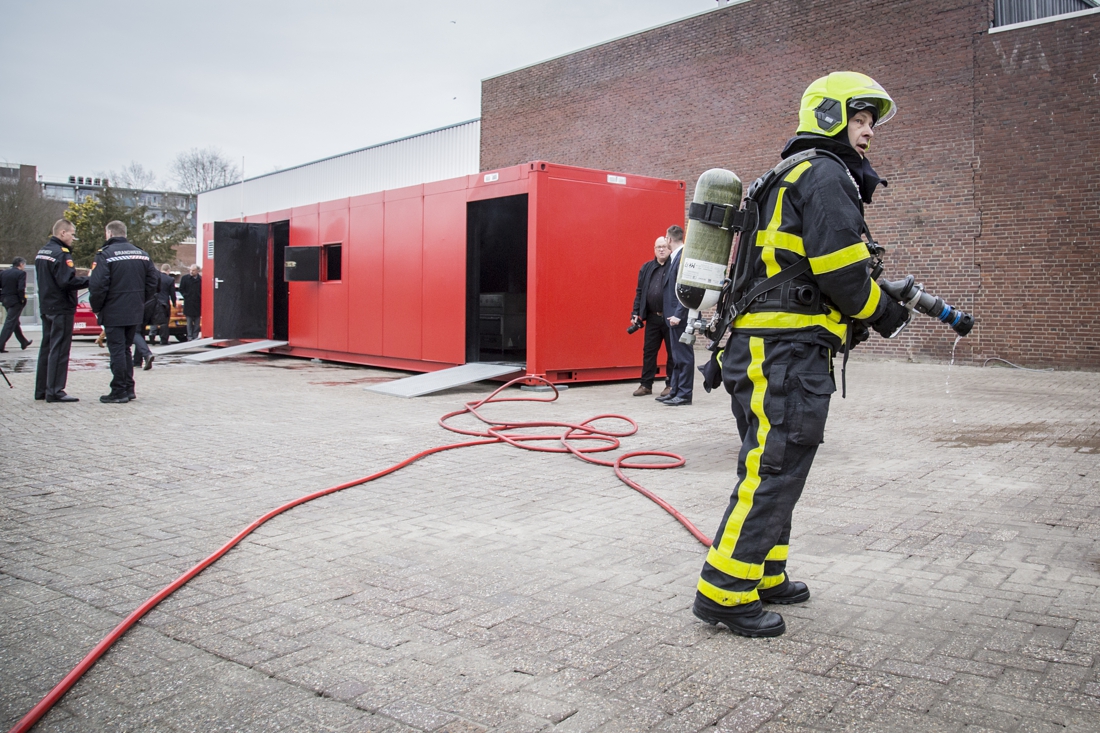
<point>437,155</point>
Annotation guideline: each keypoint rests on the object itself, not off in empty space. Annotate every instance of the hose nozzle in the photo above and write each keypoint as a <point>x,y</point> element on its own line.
<point>912,295</point>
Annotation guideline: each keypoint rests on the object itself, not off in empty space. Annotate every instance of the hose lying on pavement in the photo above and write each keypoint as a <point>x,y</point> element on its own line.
<point>571,440</point>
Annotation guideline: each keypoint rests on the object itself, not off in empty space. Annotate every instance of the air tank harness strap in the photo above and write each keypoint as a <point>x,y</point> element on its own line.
<point>780,278</point>
<point>723,216</point>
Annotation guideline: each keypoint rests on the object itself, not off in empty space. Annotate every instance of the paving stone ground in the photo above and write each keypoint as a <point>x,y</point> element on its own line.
<point>948,532</point>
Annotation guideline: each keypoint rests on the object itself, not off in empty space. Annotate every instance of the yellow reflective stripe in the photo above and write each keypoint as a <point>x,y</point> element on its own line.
<point>779,552</point>
<point>771,581</point>
<point>868,309</point>
<point>748,486</point>
<point>771,266</point>
<point>735,568</point>
<point>841,258</point>
<point>725,597</point>
<point>780,319</point>
<point>777,213</point>
<point>781,240</point>
<point>797,171</point>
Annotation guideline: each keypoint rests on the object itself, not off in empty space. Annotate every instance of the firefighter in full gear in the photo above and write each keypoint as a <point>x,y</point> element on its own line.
<point>777,363</point>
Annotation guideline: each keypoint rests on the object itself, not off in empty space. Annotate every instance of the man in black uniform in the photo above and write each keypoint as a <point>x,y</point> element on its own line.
<point>57,289</point>
<point>778,360</point>
<point>166,300</point>
<point>13,295</point>
<point>123,279</point>
<point>191,290</point>
<point>648,309</point>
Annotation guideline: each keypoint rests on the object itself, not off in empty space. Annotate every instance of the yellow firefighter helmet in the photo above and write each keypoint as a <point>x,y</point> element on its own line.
<point>826,102</point>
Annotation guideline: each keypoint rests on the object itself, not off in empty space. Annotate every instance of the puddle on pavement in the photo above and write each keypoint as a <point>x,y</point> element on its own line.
<point>1035,433</point>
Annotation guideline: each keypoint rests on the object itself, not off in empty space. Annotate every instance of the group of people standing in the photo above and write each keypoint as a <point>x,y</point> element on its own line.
<point>126,292</point>
<point>664,316</point>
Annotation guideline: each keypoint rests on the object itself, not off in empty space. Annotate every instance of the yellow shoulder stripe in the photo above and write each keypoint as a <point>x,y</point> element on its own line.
<point>797,172</point>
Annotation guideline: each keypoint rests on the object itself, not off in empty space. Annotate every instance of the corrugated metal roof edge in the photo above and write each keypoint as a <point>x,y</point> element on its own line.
<point>729,4</point>
<point>350,152</point>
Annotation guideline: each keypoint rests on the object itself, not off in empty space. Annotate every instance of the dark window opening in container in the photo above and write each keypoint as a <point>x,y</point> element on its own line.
<point>496,279</point>
<point>333,258</point>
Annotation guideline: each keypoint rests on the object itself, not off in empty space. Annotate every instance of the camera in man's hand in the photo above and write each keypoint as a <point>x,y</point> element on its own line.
<point>634,326</point>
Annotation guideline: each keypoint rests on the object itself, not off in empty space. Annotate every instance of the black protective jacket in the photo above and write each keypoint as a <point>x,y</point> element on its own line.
<point>13,287</point>
<point>815,212</point>
<point>123,278</point>
<point>57,280</point>
<point>191,290</point>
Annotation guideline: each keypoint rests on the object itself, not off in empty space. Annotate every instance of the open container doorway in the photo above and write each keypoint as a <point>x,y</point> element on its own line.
<point>496,279</point>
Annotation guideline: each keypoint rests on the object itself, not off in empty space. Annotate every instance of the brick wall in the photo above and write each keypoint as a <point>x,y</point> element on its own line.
<point>989,126</point>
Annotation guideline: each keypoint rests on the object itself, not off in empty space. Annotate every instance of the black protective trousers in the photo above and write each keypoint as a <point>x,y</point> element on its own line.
<point>53,356</point>
<point>119,341</point>
<point>780,392</point>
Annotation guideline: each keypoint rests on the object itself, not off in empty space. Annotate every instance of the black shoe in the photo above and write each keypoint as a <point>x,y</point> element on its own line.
<point>749,619</point>
<point>677,401</point>
<point>131,396</point>
<point>3,351</point>
<point>114,399</point>
<point>148,363</point>
<point>791,591</point>
<point>663,398</point>
<point>40,397</point>
<point>24,346</point>
<point>63,398</point>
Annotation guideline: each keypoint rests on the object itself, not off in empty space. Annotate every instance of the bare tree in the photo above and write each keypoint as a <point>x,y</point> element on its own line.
<point>25,219</point>
<point>201,170</point>
<point>135,176</point>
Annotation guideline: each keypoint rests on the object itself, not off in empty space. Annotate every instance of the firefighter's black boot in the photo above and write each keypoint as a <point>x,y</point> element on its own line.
<point>790,591</point>
<point>749,619</point>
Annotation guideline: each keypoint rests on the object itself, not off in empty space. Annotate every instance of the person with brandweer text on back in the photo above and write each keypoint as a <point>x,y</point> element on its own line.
<point>777,364</point>
<point>58,284</point>
<point>123,279</point>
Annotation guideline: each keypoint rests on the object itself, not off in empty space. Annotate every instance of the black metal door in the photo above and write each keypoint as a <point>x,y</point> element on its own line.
<point>302,264</point>
<point>241,293</point>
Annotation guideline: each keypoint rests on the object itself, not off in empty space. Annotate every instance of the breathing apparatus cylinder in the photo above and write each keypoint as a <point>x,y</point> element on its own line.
<point>705,259</point>
<point>913,296</point>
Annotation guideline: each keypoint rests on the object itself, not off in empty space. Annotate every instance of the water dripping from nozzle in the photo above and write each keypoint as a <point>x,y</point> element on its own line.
<point>947,384</point>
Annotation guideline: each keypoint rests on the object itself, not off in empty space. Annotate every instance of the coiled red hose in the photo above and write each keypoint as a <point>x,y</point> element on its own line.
<point>497,432</point>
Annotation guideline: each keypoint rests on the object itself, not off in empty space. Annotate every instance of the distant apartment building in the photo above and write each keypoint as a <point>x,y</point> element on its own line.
<point>160,205</point>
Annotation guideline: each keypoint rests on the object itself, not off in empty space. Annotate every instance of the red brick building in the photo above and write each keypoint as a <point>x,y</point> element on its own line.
<point>993,158</point>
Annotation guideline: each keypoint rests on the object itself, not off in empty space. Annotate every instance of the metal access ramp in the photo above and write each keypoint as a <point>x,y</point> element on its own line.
<point>423,384</point>
<point>244,348</point>
<point>185,345</point>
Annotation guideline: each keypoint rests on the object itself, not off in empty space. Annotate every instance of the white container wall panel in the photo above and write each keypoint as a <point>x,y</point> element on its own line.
<point>431,156</point>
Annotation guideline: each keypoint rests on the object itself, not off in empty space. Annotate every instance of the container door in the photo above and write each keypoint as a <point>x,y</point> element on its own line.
<point>302,264</point>
<point>242,299</point>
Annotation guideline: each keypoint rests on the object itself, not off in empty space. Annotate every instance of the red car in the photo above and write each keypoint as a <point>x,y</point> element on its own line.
<point>85,323</point>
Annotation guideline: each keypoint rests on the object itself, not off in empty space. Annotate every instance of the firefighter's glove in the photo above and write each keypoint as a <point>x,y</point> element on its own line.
<point>860,333</point>
<point>892,321</point>
<point>712,371</point>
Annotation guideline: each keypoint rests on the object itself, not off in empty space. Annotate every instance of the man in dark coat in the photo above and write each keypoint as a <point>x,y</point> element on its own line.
<point>683,355</point>
<point>58,284</point>
<point>13,295</point>
<point>123,279</point>
<point>166,300</point>
<point>649,309</point>
<point>191,290</point>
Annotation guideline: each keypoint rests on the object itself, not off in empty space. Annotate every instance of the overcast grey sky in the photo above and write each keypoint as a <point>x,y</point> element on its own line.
<point>88,86</point>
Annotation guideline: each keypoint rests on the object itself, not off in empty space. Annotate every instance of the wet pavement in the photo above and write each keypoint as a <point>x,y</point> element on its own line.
<point>948,533</point>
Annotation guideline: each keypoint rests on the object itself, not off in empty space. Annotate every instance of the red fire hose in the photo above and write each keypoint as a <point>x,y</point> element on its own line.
<point>569,441</point>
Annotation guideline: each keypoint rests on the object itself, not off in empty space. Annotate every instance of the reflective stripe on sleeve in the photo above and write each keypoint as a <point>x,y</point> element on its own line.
<point>871,305</point>
<point>840,259</point>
